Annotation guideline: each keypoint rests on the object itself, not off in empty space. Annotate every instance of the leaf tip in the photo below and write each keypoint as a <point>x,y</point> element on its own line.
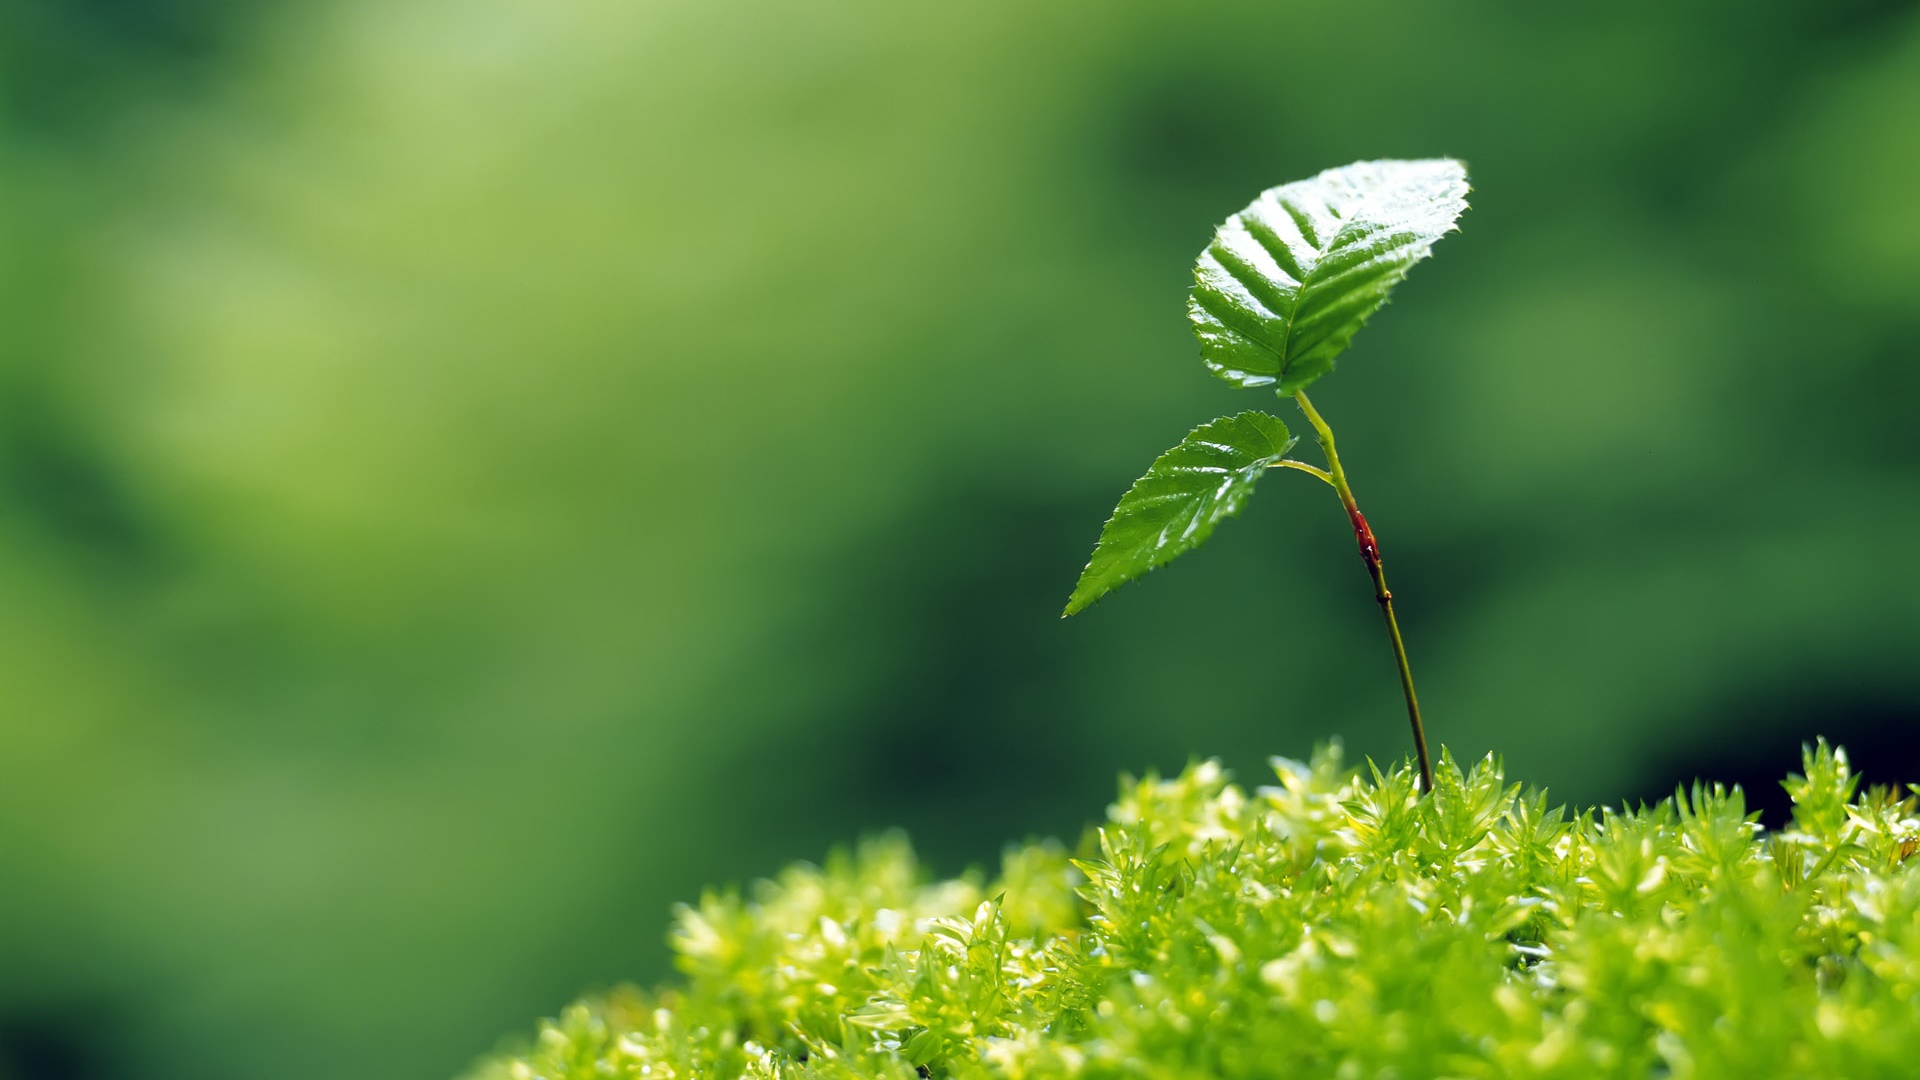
<point>1079,601</point>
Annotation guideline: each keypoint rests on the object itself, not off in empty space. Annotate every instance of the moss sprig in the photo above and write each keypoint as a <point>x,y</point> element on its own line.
<point>1330,924</point>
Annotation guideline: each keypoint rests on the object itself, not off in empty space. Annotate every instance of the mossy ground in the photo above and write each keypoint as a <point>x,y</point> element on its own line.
<point>1331,924</point>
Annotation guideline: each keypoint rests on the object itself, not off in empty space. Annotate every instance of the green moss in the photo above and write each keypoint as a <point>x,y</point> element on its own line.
<point>1329,925</point>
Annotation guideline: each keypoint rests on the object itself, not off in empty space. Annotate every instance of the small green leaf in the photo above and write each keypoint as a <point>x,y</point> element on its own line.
<point>1174,507</point>
<point>1288,281</point>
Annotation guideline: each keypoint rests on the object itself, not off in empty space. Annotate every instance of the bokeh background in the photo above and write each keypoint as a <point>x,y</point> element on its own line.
<point>472,473</point>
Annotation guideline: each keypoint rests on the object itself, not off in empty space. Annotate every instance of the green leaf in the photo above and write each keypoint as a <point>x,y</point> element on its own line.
<point>1288,281</point>
<point>1174,507</point>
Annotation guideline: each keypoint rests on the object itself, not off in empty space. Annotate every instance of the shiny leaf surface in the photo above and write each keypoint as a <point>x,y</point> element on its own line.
<point>1174,507</point>
<point>1289,280</point>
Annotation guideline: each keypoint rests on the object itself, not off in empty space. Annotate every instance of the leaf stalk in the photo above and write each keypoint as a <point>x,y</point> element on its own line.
<point>1370,554</point>
<point>1311,470</point>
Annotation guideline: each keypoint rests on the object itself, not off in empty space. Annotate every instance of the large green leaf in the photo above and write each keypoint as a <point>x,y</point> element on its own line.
<point>1288,281</point>
<point>1174,507</point>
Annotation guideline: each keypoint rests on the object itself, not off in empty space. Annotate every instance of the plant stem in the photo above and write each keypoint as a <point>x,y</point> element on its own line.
<point>1370,553</point>
<point>1834,855</point>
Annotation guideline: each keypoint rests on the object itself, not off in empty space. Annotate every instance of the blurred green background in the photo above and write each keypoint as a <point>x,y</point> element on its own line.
<point>472,473</point>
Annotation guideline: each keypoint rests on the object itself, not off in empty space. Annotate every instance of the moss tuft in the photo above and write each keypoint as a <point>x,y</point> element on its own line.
<point>1329,925</point>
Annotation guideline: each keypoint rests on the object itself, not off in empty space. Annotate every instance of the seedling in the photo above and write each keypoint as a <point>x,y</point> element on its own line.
<point>1277,296</point>
<point>1302,928</point>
